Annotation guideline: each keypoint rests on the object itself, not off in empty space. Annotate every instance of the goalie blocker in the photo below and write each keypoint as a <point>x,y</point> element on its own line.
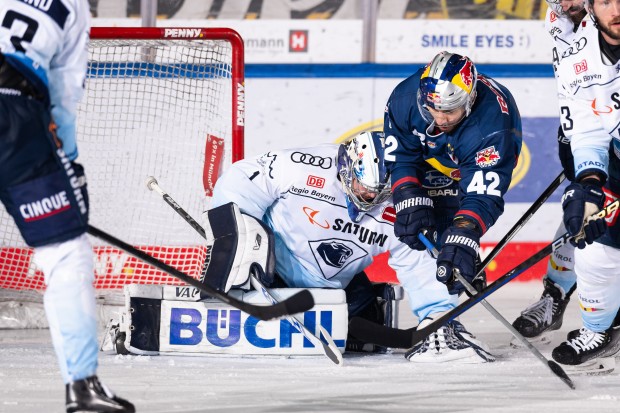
<point>182,320</point>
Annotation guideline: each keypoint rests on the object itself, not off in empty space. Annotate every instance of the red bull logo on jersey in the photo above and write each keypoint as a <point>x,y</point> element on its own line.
<point>487,157</point>
<point>45,207</point>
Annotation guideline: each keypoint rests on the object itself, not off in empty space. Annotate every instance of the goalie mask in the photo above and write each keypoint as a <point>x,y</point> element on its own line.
<point>447,84</point>
<point>364,177</point>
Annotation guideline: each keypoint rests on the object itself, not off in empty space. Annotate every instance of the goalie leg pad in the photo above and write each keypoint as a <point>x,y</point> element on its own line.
<point>156,325</point>
<point>237,241</point>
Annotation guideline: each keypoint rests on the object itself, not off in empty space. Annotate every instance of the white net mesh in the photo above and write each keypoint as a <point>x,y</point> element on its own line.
<point>149,109</point>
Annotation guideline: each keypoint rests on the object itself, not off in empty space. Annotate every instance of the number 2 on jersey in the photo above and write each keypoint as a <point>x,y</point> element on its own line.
<point>31,28</point>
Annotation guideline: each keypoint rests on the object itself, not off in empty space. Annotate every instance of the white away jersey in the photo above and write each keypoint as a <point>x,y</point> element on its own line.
<point>48,40</point>
<point>297,193</point>
<point>589,98</point>
<point>562,30</point>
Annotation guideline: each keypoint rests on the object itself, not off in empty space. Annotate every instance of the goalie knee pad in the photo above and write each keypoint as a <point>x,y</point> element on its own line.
<point>239,244</point>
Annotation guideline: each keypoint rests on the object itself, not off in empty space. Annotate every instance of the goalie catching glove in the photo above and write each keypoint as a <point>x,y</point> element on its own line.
<point>580,201</point>
<point>237,245</point>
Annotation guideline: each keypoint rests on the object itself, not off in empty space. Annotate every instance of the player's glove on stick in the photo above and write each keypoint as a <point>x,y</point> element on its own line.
<point>414,214</point>
<point>460,247</point>
<point>581,200</point>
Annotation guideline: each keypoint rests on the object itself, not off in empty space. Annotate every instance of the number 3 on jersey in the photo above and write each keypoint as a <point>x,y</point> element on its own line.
<point>485,183</point>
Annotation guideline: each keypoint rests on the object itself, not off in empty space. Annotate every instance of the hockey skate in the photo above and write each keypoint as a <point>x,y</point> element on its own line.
<point>90,395</point>
<point>589,352</point>
<point>540,320</point>
<point>450,343</point>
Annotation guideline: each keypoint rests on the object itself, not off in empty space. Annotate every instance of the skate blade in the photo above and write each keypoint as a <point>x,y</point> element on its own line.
<point>543,339</point>
<point>595,367</point>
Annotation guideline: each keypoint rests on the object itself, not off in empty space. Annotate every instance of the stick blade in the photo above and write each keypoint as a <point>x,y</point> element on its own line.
<point>559,371</point>
<point>297,303</point>
<point>379,334</point>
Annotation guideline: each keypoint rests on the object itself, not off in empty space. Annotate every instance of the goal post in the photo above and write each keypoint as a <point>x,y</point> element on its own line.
<point>163,102</point>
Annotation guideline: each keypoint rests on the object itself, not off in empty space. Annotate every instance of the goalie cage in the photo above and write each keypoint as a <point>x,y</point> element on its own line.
<point>166,102</point>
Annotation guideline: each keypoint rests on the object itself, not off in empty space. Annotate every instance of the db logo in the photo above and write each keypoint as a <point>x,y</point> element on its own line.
<point>298,41</point>
<point>315,181</point>
<point>581,67</point>
<point>553,17</point>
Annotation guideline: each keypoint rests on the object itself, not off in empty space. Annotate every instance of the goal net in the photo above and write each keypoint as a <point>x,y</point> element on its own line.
<point>162,102</point>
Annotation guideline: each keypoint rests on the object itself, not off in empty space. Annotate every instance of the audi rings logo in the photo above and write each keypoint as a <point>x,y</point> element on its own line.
<point>312,160</point>
<point>575,47</point>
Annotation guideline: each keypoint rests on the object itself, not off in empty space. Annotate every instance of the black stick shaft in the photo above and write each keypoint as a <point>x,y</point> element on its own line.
<point>297,303</point>
<point>522,221</point>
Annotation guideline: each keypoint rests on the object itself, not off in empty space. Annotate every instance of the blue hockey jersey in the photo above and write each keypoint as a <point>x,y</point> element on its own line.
<point>480,152</point>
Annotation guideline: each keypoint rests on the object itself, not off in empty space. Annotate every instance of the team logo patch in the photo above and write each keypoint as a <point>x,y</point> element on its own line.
<point>334,255</point>
<point>315,181</point>
<point>389,214</point>
<point>487,157</point>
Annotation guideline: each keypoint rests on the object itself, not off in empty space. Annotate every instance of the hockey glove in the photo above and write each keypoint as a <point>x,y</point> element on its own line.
<point>414,214</point>
<point>566,155</point>
<point>460,247</point>
<point>581,200</point>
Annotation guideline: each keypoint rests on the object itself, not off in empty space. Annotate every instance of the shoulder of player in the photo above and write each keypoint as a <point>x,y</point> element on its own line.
<point>581,45</point>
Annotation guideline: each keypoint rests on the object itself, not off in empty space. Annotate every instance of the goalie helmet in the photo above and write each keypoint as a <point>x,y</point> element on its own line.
<point>447,83</point>
<point>363,174</point>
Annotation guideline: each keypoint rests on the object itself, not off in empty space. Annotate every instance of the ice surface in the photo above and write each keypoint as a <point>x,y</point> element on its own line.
<point>517,382</point>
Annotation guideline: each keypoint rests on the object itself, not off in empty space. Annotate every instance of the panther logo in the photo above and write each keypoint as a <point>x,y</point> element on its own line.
<point>335,254</point>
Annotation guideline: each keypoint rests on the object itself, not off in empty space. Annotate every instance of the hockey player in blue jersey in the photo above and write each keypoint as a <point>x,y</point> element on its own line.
<point>329,208</point>
<point>43,55</point>
<point>453,138</point>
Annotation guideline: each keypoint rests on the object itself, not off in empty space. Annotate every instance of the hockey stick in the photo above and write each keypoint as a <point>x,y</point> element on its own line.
<point>522,221</point>
<point>329,348</point>
<point>553,366</point>
<point>298,303</point>
<point>397,338</point>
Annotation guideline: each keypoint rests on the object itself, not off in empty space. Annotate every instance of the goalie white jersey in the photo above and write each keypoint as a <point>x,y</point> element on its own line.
<point>298,195</point>
<point>589,98</point>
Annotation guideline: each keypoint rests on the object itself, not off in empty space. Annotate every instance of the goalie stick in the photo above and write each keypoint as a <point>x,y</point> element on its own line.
<point>397,338</point>
<point>329,347</point>
<point>298,303</point>
<point>552,365</point>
